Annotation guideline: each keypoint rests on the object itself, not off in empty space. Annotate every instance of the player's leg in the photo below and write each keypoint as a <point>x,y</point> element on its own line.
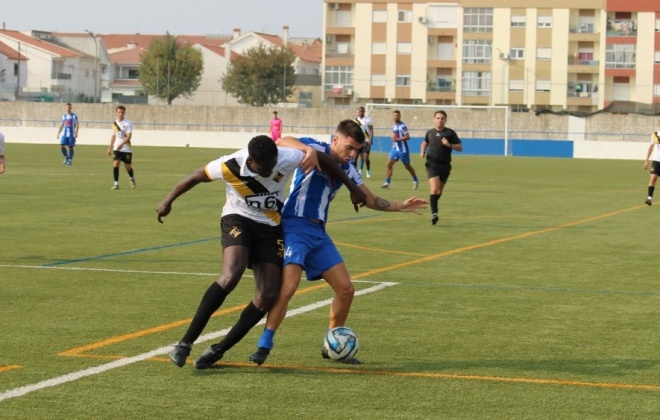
<point>128,164</point>
<point>340,281</point>
<point>389,170</point>
<point>368,161</point>
<point>63,143</point>
<point>434,197</point>
<point>72,144</point>
<point>651,189</point>
<point>116,161</point>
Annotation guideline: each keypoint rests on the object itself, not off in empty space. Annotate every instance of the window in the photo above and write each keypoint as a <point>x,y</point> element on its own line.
<point>403,48</point>
<point>620,56</point>
<point>343,48</point>
<point>477,51</point>
<point>15,69</point>
<point>476,83</point>
<point>544,21</point>
<point>338,76</point>
<point>518,21</point>
<point>379,16</point>
<point>516,53</point>
<point>403,80</point>
<point>656,90</point>
<point>404,16</point>
<point>478,19</point>
<point>657,57</point>
<point>377,80</point>
<point>133,74</point>
<point>543,53</point>
<point>378,48</point>
<point>543,85</point>
<point>516,85</point>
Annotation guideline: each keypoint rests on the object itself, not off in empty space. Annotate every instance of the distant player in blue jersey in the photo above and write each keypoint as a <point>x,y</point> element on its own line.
<point>400,151</point>
<point>69,130</point>
<point>307,245</point>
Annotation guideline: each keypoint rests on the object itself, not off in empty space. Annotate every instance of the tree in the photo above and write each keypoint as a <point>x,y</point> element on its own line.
<point>169,69</point>
<point>264,75</point>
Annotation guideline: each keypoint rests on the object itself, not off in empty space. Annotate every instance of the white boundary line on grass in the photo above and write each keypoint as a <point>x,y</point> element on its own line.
<point>18,392</point>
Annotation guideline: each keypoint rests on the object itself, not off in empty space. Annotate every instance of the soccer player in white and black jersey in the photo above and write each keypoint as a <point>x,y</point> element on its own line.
<point>251,235</point>
<point>653,150</point>
<point>437,146</point>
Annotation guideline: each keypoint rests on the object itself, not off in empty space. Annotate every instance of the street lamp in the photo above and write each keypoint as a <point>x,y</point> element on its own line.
<point>96,63</point>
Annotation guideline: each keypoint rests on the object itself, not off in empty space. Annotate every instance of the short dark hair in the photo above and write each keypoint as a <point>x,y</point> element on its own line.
<point>122,107</point>
<point>361,108</point>
<point>69,103</point>
<point>440,112</point>
<point>262,149</point>
<point>351,128</point>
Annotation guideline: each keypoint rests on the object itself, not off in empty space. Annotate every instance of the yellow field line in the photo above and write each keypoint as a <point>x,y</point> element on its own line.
<point>361,371</point>
<point>9,367</point>
<point>119,338</point>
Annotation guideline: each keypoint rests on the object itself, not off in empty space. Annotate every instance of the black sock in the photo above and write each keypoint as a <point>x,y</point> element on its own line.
<point>651,189</point>
<point>212,300</point>
<point>433,200</point>
<point>115,173</point>
<point>250,317</point>
<point>130,173</point>
<point>368,162</point>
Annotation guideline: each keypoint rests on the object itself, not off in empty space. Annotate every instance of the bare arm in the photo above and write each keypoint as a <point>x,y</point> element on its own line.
<point>57,136</point>
<point>186,184</point>
<point>425,145</point>
<point>112,142</point>
<point>648,155</point>
<point>374,202</point>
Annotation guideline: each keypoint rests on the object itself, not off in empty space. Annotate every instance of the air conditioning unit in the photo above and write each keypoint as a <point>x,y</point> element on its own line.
<point>504,56</point>
<point>422,19</point>
<point>347,91</point>
<point>334,6</point>
<point>329,39</point>
<point>431,40</point>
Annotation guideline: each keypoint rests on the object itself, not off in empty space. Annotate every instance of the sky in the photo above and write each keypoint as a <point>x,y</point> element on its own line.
<point>185,17</point>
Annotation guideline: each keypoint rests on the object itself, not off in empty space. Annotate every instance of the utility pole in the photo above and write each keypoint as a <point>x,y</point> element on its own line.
<point>96,64</point>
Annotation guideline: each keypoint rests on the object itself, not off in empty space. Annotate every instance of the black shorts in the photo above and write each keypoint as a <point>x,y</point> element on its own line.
<point>366,148</point>
<point>265,243</point>
<point>441,170</point>
<point>123,156</point>
<point>655,167</point>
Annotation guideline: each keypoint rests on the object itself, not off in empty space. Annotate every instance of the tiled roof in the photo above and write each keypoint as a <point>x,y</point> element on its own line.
<point>41,44</point>
<point>10,53</point>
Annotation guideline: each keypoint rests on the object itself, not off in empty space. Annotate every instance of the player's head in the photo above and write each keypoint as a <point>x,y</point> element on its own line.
<point>440,118</point>
<point>262,155</point>
<point>347,141</point>
<point>275,114</point>
<point>68,107</point>
<point>120,111</point>
<point>396,116</point>
<point>360,111</point>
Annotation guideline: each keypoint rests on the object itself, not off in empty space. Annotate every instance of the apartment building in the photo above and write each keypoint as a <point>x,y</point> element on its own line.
<point>575,55</point>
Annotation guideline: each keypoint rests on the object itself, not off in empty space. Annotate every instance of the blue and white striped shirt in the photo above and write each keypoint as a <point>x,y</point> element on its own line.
<point>400,130</point>
<point>310,194</point>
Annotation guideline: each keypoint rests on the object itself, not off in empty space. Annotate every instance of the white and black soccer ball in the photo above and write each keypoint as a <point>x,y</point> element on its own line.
<point>341,343</point>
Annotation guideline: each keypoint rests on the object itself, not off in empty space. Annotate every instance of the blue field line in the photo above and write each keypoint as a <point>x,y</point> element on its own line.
<point>134,251</point>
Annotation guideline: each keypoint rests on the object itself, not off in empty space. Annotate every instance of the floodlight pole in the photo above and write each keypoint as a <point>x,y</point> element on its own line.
<point>96,63</point>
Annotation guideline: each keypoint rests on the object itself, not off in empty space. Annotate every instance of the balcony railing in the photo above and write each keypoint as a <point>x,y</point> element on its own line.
<point>576,62</point>
<point>583,28</point>
<point>60,76</point>
<point>441,88</point>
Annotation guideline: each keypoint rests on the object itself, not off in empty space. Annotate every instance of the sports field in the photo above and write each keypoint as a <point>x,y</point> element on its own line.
<point>536,296</point>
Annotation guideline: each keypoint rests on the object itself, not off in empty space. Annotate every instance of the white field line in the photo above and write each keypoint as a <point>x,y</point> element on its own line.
<point>70,377</point>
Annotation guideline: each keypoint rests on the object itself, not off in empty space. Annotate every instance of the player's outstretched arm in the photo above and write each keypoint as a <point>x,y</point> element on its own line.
<point>186,184</point>
<point>411,205</point>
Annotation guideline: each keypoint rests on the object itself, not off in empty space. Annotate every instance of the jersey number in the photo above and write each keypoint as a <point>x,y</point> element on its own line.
<point>262,201</point>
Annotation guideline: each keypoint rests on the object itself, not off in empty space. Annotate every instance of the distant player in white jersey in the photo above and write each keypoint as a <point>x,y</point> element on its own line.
<point>654,149</point>
<point>365,150</point>
<point>251,236</point>
<point>307,245</point>
<point>120,146</point>
<point>69,130</point>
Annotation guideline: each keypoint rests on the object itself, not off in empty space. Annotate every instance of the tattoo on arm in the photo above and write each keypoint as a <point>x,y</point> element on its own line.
<point>381,204</point>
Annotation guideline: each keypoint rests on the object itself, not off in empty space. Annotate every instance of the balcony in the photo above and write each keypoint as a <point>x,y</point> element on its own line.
<point>583,28</point>
<point>622,27</point>
<point>60,76</point>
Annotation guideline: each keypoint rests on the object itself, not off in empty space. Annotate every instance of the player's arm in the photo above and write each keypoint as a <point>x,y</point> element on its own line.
<point>374,202</point>
<point>112,142</point>
<point>186,184</point>
<point>310,161</point>
<point>75,128</point>
<point>425,145</point>
<point>57,136</point>
<point>127,140</point>
<point>648,155</point>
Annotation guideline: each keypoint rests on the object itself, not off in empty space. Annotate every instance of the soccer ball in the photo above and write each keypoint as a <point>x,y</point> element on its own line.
<point>341,343</point>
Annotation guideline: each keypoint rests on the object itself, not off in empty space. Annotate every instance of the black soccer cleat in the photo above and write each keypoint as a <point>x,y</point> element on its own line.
<point>434,218</point>
<point>349,361</point>
<point>649,202</point>
<point>208,358</point>
<point>260,356</point>
<point>180,353</point>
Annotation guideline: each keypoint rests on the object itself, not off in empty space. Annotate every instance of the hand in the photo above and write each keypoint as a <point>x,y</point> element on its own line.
<point>646,164</point>
<point>310,161</point>
<point>413,205</point>
<point>394,136</point>
<point>163,210</point>
<point>359,199</point>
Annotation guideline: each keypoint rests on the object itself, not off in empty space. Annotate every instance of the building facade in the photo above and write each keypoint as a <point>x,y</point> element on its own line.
<point>577,55</point>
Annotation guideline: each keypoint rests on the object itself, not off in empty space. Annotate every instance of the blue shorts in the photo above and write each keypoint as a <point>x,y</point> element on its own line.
<point>404,157</point>
<point>307,244</point>
<point>67,141</point>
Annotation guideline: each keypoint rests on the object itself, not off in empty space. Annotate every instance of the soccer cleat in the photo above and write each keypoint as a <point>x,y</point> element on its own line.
<point>349,361</point>
<point>208,358</point>
<point>385,185</point>
<point>115,187</point>
<point>360,171</point>
<point>180,353</point>
<point>68,162</point>
<point>368,173</point>
<point>434,218</point>
<point>649,201</point>
<point>133,184</point>
<point>259,356</point>
<point>65,161</point>
<point>415,185</point>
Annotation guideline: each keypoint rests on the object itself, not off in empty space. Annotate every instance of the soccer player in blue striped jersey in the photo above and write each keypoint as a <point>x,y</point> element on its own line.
<point>70,134</point>
<point>400,151</point>
<point>307,245</point>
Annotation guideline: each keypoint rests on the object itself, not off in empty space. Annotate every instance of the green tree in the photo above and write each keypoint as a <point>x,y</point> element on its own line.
<point>263,75</point>
<point>169,69</point>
